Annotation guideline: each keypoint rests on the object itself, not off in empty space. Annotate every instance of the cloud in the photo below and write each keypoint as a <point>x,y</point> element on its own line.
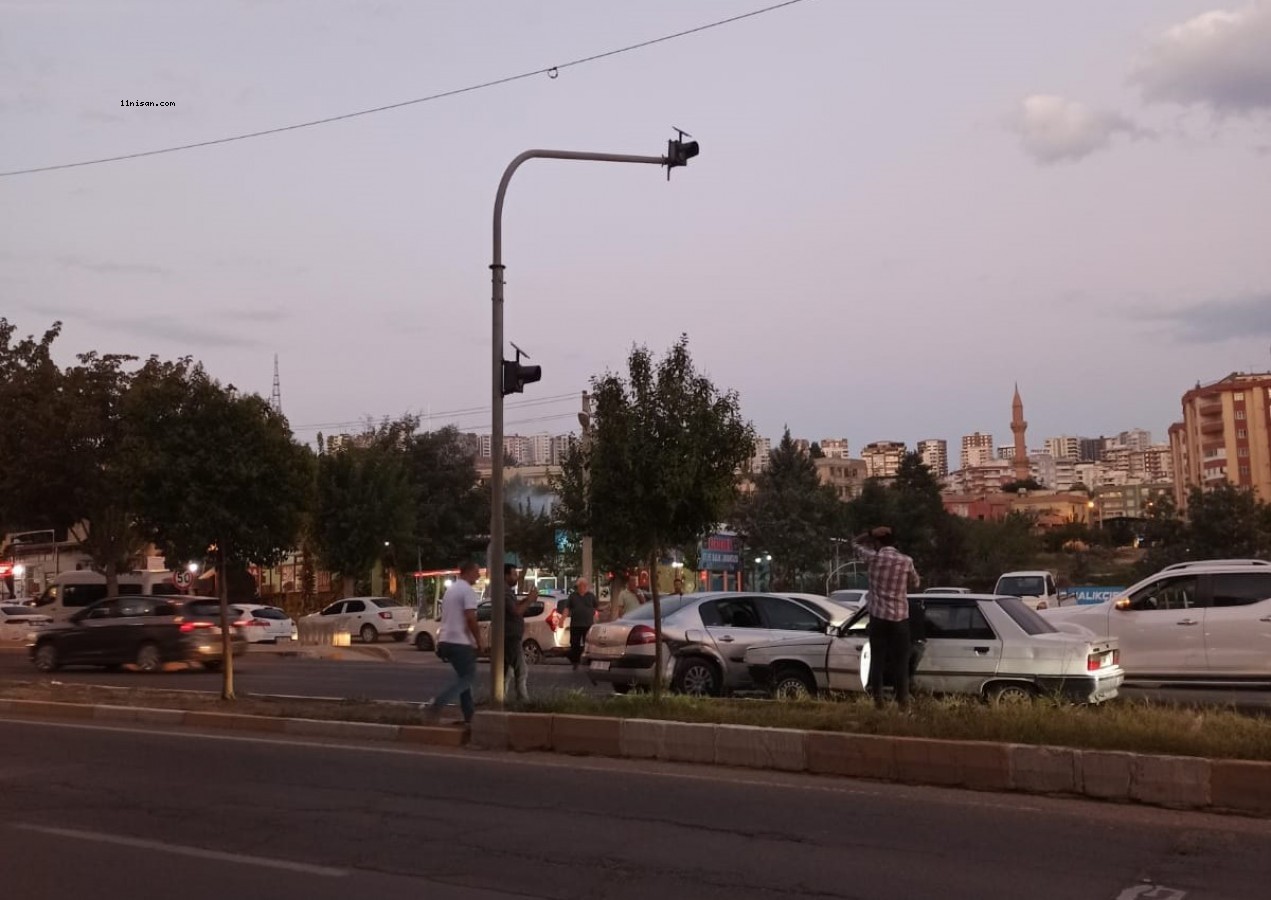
<point>1221,60</point>
<point>1055,129</point>
<point>1215,321</point>
<point>171,327</point>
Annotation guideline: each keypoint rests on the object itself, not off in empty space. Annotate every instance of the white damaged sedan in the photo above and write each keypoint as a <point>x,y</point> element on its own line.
<point>992,647</point>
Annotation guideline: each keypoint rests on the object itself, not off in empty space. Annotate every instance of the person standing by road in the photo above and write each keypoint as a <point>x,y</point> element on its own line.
<point>458,643</point>
<point>891,576</point>
<point>628,599</point>
<point>516,673</point>
<point>581,608</point>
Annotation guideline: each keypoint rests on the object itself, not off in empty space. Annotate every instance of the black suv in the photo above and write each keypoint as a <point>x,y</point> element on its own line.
<point>144,631</point>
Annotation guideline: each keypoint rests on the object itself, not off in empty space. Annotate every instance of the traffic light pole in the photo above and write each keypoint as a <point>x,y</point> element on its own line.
<point>494,562</point>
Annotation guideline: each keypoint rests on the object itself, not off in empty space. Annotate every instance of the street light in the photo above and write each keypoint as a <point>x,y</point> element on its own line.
<point>192,568</point>
<point>678,153</point>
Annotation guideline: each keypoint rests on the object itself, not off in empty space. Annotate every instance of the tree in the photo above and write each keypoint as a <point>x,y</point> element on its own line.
<point>1026,484</point>
<point>790,514</point>
<point>815,451</point>
<point>661,464</point>
<point>450,516</point>
<point>997,547</point>
<point>1227,521</point>
<point>364,501</point>
<point>532,535</point>
<point>223,475</point>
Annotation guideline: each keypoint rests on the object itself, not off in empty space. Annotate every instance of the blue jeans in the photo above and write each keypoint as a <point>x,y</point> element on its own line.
<point>463,659</point>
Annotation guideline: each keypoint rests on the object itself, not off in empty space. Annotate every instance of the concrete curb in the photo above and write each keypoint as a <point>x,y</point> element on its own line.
<point>1175,782</point>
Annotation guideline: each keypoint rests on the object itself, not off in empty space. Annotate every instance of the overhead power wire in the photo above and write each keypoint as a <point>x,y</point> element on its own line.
<point>550,71</point>
<point>446,414</point>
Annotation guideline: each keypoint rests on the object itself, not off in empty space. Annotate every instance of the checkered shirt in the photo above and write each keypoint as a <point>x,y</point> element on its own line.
<point>891,575</point>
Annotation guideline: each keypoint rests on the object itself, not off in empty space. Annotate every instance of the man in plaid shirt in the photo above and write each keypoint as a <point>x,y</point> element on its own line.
<point>891,576</point>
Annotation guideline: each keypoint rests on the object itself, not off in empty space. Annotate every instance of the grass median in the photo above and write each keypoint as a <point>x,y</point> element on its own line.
<point>1131,725</point>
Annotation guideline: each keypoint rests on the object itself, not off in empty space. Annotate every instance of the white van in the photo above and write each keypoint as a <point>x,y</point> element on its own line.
<point>1035,587</point>
<point>72,591</point>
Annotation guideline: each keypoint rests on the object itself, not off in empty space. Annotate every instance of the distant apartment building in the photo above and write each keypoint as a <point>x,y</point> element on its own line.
<point>1064,447</point>
<point>935,456</point>
<point>977,449</point>
<point>845,476</point>
<point>835,448</point>
<point>1136,439</point>
<point>1126,501</point>
<point>1225,435</point>
<point>560,448</point>
<point>1005,451</point>
<point>763,449</point>
<point>1044,469</point>
<point>883,458</point>
<point>982,479</point>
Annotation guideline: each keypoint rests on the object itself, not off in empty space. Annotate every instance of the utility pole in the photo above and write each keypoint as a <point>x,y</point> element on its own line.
<point>678,153</point>
<point>584,419</point>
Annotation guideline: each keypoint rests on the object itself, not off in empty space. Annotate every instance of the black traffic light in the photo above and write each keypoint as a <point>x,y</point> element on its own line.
<point>680,151</point>
<point>517,376</point>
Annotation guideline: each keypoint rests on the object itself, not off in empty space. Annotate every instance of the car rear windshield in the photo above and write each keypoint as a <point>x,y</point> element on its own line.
<point>1021,586</point>
<point>670,606</point>
<point>204,609</point>
<point>387,602</point>
<point>1024,617</point>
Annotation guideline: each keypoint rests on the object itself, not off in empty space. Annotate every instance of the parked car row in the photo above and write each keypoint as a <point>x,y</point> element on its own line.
<point>546,634</point>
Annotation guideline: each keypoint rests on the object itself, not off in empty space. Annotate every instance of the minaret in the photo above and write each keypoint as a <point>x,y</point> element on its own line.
<point>1018,427</point>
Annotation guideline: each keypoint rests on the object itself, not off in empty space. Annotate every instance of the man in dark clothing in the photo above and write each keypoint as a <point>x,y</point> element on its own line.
<point>516,672</point>
<point>580,606</point>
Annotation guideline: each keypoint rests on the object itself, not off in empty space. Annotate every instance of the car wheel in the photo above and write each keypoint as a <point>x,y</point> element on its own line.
<point>533,653</point>
<point>213,665</point>
<point>793,684</point>
<point>1010,693</point>
<point>148,659</point>
<point>697,678</point>
<point>46,657</point>
<point>424,642</point>
<point>399,636</point>
<point>368,634</point>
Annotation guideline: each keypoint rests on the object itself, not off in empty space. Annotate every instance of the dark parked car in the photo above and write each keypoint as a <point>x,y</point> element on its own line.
<point>144,631</point>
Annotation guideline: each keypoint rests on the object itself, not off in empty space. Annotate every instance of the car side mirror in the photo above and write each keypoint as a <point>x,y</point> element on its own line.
<point>1122,604</point>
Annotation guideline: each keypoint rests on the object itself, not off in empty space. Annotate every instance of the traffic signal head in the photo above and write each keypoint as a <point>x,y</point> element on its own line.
<point>679,152</point>
<point>517,376</point>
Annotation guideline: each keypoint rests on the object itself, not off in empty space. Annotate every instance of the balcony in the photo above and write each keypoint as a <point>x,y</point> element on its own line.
<point>1210,406</point>
<point>1211,426</point>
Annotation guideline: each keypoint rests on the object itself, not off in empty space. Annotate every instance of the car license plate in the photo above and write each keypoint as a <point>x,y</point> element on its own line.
<point>600,665</point>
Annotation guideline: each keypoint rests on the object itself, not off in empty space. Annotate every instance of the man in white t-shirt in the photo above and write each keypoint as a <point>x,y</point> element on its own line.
<point>458,643</point>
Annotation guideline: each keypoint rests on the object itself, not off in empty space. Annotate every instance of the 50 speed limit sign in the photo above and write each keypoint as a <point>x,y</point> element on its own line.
<point>183,579</point>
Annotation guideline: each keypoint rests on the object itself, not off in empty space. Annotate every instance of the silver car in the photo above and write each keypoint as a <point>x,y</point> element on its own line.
<point>706,637</point>
<point>994,647</point>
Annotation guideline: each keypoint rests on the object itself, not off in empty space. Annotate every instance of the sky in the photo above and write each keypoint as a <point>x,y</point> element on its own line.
<point>900,210</point>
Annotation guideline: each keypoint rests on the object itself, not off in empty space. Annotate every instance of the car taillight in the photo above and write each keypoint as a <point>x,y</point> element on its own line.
<point>1116,657</point>
<point>385,614</point>
<point>187,627</point>
<point>641,634</point>
<point>1095,661</point>
<point>250,623</point>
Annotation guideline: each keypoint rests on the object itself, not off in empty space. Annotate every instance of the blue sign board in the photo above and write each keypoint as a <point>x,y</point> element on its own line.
<point>1090,594</point>
<point>721,553</point>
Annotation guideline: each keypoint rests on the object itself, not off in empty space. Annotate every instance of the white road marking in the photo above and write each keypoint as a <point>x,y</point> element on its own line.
<point>181,850</point>
<point>1151,892</point>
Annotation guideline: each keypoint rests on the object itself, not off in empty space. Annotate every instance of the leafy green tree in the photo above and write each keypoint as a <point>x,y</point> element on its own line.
<point>365,500</point>
<point>790,514</point>
<point>1227,521</point>
<point>530,534</point>
<point>660,468</point>
<point>451,511</point>
<point>997,547</point>
<point>223,475</point>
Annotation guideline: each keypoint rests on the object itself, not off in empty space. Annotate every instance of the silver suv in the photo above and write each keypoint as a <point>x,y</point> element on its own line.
<point>1202,621</point>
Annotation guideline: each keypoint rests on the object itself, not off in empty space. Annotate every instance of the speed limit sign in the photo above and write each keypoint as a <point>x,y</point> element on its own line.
<point>183,579</point>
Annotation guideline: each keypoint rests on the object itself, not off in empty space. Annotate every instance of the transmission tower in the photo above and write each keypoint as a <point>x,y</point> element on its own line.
<point>275,396</point>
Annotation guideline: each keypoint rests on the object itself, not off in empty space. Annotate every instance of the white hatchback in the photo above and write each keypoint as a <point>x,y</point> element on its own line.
<point>263,624</point>
<point>1206,621</point>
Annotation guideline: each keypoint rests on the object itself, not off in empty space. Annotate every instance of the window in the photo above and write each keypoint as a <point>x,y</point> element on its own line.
<point>534,609</point>
<point>164,608</point>
<point>731,613</point>
<point>1025,617</point>
<point>334,609</point>
<point>1240,415</point>
<point>135,606</point>
<point>74,595</point>
<point>787,616</point>
<point>269,612</point>
<point>1022,586</point>
<point>354,606</point>
<point>1167,594</point>
<point>670,606</point>
<point>1241,433</point>
<point>1241,589</point>
<point>948,621</point>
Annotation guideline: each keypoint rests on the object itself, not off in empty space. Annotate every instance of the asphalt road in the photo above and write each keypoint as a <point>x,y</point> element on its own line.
<point>411,676</point>
<point>112,813</point>
<point>414,676</point>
